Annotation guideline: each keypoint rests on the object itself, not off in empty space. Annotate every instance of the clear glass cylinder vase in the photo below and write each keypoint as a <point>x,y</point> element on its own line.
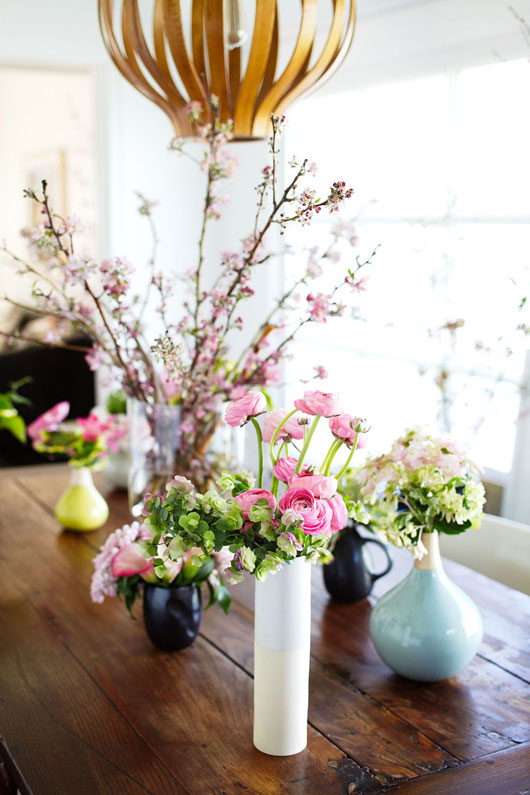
<point>154,439</point>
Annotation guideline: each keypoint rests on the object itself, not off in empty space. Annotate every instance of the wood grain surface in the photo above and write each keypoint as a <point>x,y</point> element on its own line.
<point>87,705</point>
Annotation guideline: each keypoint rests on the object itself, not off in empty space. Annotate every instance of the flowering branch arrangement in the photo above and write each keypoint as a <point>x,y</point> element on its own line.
<point>423,485</point>
<point>187,363</point>
<point>261,527</point>
<point>121,567</point>
<point>85,440</point>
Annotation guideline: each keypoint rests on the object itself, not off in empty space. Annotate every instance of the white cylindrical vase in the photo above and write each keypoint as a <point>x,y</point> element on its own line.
<point>282,636</point>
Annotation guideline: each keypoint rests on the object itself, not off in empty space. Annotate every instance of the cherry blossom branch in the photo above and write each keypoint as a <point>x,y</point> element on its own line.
<point>45,343</point>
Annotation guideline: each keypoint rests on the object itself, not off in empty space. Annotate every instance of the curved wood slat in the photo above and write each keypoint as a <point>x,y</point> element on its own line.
<point>234,71</point>
<point>197,37</point>
<point>332,56</point>
<point>163,79</point>
<point>215,39</point>
<point>177,45</point>
<point>257,64</point>
<point>337,61</point>
<point>125,68</point>
<point>140,79</point>
<point>270,71</point>
<point>302,49</point>
<point>159,39</point>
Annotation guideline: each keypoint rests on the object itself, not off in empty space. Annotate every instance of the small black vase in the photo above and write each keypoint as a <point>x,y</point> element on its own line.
<point>347,577</point>
<point>172,616</point>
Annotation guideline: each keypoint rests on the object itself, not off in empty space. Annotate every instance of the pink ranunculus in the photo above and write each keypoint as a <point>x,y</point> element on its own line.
<point>284,469</point>
<point>92,427</point>
<point>249,405</point>
<point>316,513</point>
<point>129,560</point>
<point>49,420</point>
<point>343,427</point>
<point>325,404</point>
<point>247,499</point>
<point>289,430</point>
<point>339,511</point>
<point>320,485</point>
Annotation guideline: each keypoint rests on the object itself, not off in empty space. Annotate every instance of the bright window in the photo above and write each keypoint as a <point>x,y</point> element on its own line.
<point>441,173</point>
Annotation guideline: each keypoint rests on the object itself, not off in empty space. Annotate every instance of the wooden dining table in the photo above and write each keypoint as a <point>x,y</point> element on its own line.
<point>88,705</point>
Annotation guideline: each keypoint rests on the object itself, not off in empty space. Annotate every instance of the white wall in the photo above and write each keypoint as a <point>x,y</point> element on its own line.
<point>47,133</point>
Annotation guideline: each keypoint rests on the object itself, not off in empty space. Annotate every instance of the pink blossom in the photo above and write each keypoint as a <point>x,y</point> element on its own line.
<point>320,306</point>
<point>95,357</point>
<point>339,513</point>
<point>343,427</point>
<point>319,485</point>
<point>320,371</point>
<point>284,469</point>
<point>247,499</point>
<point>116,430</point>
<point>316,513</point>
<point>49,420</point>
<point>324,404</point>
<point>129,560</point>
<point>92,427</point>
<point>248,405</point>
<point>289,430</point>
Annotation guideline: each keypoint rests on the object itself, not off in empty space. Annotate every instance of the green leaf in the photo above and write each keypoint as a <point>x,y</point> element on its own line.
<point>16,426</point>
<point>205,570</point>
<point>223,598</point>
<point>450,528</point>
<point>220,538</point>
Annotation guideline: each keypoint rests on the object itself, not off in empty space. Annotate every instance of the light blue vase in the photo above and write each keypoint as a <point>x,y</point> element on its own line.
<point>426,628</point>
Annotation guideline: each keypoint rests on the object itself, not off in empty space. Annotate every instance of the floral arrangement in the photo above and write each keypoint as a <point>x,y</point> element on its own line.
<point>187,363</point>
<point>10,419</point>
<point>424,484</point>
<point>121,566</point>
<point>261,528</point>
<point>85,440</point>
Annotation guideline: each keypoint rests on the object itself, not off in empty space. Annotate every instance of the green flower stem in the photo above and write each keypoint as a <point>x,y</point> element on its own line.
<point>255,423</point>
<point>347,464</point>
<point>335,447</point>
<point>282,447</point>
<point>274,486</point>
<point>307,442</point>
<point>276,432</point>
<point>325,461</point>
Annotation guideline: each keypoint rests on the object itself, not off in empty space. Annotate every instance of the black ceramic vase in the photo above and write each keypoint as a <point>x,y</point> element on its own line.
<point>172,616</point>
<point>347,577</point>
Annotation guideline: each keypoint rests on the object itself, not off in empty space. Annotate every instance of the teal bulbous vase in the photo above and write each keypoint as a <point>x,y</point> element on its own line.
<point>426,628</point>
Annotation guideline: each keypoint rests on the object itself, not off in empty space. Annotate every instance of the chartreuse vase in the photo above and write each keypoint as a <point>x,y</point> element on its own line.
<point>426,628</point>
<point>81,507</point>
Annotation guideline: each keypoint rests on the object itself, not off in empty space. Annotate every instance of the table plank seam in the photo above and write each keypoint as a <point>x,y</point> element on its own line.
<point>503,668</point>
<point>482,758</point>
<point>19,484</point>
<point>74,656</point>
<point>369,697</point>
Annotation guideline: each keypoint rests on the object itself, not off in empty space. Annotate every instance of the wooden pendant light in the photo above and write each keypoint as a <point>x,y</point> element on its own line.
<point>210,66</point>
